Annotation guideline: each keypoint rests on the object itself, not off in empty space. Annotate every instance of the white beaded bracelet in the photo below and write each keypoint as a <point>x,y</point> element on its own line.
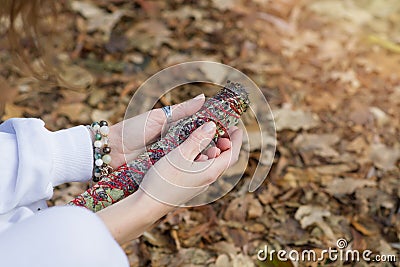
<point>101,150</point>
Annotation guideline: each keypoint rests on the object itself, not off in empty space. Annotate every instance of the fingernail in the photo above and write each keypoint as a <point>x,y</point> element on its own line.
<point>200,96</point>
<point>209,127</point>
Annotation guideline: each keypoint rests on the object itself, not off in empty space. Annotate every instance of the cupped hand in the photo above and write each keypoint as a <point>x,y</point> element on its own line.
<point>145,128</point>
<point>173,180</point>
<point>185,172</point>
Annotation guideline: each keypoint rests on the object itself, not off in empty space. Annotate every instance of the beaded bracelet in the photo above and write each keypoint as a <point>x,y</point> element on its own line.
<point>101,150</point>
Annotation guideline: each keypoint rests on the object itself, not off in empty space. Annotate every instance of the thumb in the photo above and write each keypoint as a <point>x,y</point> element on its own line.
<point>197,141</point>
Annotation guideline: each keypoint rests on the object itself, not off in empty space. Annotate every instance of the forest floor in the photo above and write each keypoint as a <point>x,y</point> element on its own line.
<point>330,70</point>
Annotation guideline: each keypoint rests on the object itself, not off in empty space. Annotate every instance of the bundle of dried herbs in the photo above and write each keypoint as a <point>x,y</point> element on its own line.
<point>225,109</point>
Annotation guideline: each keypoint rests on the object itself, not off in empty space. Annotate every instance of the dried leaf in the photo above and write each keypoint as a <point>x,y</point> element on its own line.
<point>222,261</point>
<point>224,5</point>
<point>308,215</point>
<point>287,119</point>
<point>384,157</point>
<point>336,168</point>
<point>77,76</point>
<point>12,111</point>
<point>380,116</point>
<point>341,10</point>
<point>97,18</point>
<point>319,145</point>
<point>148,35</point>
<point>255,210</point>
<point>216,73</point>
<point>339,186</point>
<point>74,111</point>
<point>241,260</point>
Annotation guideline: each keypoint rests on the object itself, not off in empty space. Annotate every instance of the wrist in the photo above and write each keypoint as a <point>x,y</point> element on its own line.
<point>117,153</point>
<point>153,208</point>
<point>129,218</point>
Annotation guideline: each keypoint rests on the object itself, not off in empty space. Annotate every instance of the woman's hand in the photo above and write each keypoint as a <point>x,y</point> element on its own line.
<point>173,180</point>
<point>145,128</point>
<point>184,172</point>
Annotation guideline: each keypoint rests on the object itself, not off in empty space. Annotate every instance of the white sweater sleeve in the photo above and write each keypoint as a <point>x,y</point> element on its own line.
<point>63,237</point>
<point>33,160</point>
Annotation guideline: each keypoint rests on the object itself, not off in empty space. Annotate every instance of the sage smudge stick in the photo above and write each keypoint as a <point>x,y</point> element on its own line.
<point>224,109</point>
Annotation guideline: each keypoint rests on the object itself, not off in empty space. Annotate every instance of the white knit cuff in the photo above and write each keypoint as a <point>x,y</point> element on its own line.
<point>72,155</point>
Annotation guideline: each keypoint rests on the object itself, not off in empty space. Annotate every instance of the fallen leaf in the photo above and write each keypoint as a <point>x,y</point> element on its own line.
<point>340,186</point>
<point>241,260</point>
<point>254,140</point>
<point>360,115</point>
<point>347,77</point>
<point>97,18</point>
<point>98,115</point>
<point>365,225</point>
<point>384,157</point>
<point>237,210</point>
<point>255,210</point>
<point>77,76</point>
<point>347,10</point>
<point>225,247</point>
<point>12,111</point>
<point>317,144</point>
<point>74,111</point>
<point>336,168</point>
<point>216,73</point>
<point>96,96</point>
<point>148,35</point>
<point>224,5</point>
<point>223,261</point>
<point>380,116</point>
<point>357,145</point>
<point>308,215</point>
<point>155,238</point>
<point>287,119</point>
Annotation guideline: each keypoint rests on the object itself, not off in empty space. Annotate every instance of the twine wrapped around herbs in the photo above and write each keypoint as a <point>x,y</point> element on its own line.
<point>225,109</point>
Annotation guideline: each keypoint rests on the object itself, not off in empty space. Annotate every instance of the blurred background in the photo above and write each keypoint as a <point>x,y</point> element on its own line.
<point>330,70</point>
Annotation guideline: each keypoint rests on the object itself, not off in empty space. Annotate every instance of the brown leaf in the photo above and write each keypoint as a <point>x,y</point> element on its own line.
<point>255,209</point>
<point>308,215</point>
<point>98,19</point>
<point>74,111</point>
<point>287,119</point>
<point>237,210</point>
<point>339,186</point>
<point>384,157</point>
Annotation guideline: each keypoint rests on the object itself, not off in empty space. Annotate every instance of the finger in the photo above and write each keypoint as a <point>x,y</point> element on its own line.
<point>178,111</point>
<point>236,141</point>
<point>201,157</point>
<point>223,143</point>
<point>147,126</point>
<point>230,130</point>
<point>213,152</point>
<point>187,108</point>
<point>228,157</point>
<point>196,142</point>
